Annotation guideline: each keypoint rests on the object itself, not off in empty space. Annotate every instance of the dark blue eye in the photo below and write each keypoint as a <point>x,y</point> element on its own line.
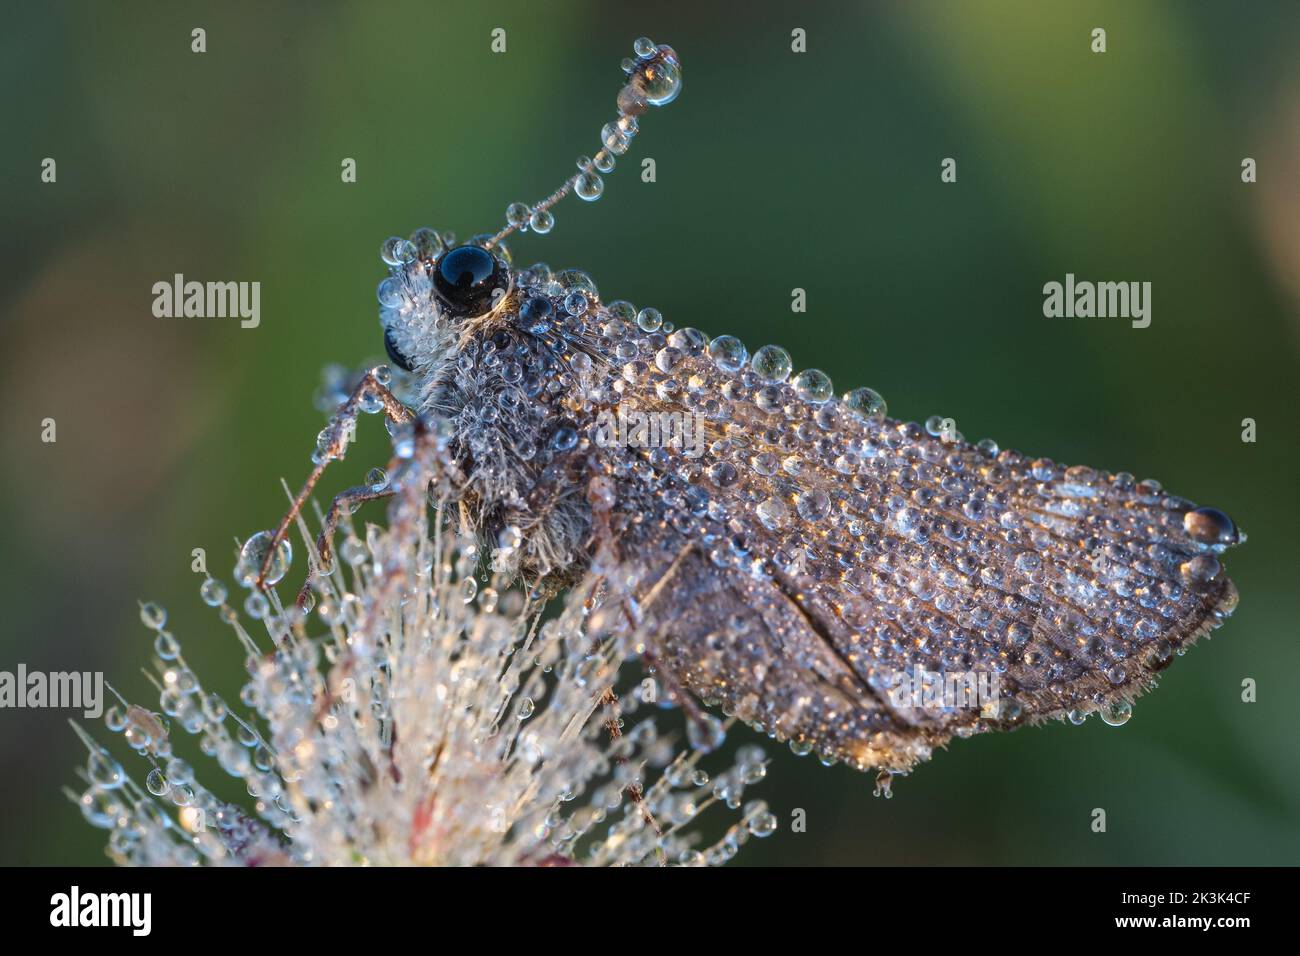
<point>398,359</point>
<point>469,280</point>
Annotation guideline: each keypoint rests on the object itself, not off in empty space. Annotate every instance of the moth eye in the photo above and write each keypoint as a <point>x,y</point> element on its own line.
<point>469,280</point>
<point>397,357</point>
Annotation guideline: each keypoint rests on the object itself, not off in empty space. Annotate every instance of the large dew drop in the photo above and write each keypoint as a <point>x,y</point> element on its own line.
<point>813,385</point>
<point>728,353</point>
<point>865,402</point>
<point>772,363</point>
<point>253,555</point>
<point>1209,526</point>
<point>1116,714</point>
<point>588,186</point>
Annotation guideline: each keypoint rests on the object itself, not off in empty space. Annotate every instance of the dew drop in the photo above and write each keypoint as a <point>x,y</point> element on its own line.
<point>773,513</point>
<point>575,303</point>
<point>105,772</point>
<point>690,341</point>
<point>906,519</point>
<point>728,353</point>
<point>622,310</point>
<point>705,733</point>
<point>772,363</point>
<point>115,719</point>
<point>765,463</point>
<point>166,646</point>
<point>1009,710</point>
<point>397,251</point>
<point>253,555</point>
<point>565,438</point>
<point>468,589</point>
<point>256,605</point>
<point>353,551</point>
<point>541,221</point>
<point>663,82</point>
<point>813,385</point>
<point>865,403</point>
<point>649,320</point>
<point>154,616</point>
<point>1209,526</point>
<point>813,505</point>
<point>667,358</point>
<point>518,214</point>
<point>761,823</point>
<point>535,314</point>
<point>723,474</point>
<point>428,244</point>
<point>510,538</point>
<point>589,186</point>
<point>575,280</point>
<point>1161,653</point>
<point>614,139</point>
<point>883,785</point>
<point>1027,562</point>
<point>1200,570</point>
<point>1117,713</point>
<point>157,783</point>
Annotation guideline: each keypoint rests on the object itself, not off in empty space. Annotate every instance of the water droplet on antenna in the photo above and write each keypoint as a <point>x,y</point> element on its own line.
<point>541,221</point>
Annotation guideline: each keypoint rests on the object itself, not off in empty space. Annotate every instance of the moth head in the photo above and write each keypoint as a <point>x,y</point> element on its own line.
<point>431,291</point>
<point>435,287</point>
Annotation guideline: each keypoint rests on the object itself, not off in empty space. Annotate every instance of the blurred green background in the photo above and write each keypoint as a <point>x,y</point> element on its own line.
<point>775,170</point>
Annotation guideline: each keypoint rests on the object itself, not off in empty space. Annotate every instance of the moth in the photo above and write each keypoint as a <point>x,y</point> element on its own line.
<point>804,562</point>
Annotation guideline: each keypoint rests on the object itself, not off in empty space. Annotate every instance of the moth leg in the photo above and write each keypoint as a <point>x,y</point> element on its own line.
<point>676,690</point>
<point>334,446</point>
<point>633,612</point>
<point>610,699</point>
<point>348,499</point>
<point>600,494</point>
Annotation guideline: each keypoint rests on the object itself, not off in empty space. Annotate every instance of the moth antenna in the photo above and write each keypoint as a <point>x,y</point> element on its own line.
<point>654,78</point>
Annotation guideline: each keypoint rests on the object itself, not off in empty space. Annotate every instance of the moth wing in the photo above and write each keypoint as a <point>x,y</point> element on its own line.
<point>758,649</point>
<point>870,551</point>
